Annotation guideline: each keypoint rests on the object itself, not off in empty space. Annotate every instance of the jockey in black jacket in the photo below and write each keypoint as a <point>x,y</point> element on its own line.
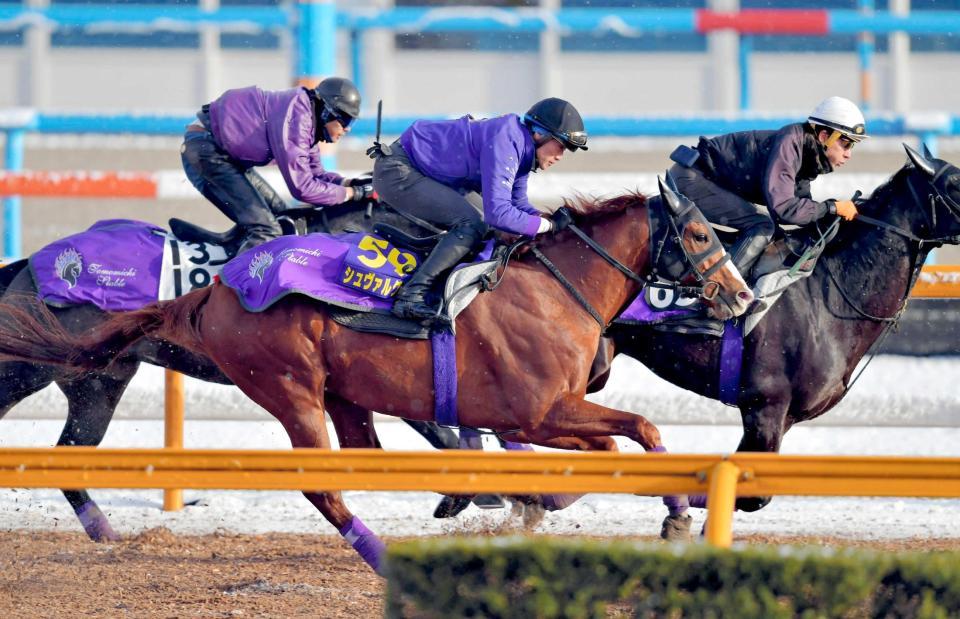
<point>752,180</point>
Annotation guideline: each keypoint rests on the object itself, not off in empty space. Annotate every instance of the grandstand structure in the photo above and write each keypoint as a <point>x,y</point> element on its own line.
<point>619,58</point>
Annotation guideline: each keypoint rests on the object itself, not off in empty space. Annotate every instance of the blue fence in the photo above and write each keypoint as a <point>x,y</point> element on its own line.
<point>314,24</point>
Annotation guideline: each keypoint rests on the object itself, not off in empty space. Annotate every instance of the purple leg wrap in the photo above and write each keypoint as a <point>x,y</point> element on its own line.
<point>95,523</point>
<point>698,500</point>
<point>470,439</point>
<point>676,503</point>
<point>511,446</point>
<point>365,542</point>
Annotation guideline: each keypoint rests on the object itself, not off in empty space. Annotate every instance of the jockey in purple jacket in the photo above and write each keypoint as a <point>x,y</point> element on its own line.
<point>430,170</point>
<point>249,127</point>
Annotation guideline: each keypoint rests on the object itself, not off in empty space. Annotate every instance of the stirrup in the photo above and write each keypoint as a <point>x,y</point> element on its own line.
<point>418,311</point>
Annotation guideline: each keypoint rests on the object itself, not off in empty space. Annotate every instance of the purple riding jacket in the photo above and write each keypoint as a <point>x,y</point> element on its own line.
<point>493,156</point>
<point>258,126</point>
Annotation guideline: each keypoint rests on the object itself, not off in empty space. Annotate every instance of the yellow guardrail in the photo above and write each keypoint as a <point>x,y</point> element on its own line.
<point>938,282</point>
<point>721,477</point>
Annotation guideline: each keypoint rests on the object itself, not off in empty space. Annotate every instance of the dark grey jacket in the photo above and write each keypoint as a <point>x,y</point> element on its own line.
<point>773,168</point>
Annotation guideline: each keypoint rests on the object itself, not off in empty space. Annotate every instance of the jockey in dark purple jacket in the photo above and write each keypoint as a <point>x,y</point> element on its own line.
<point>249,127</point>
<point>429,172</point>
<point>752,180</point>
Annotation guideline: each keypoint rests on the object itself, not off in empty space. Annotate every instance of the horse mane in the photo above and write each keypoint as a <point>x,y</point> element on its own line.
<point>589,206</point>
<point>882,195</point>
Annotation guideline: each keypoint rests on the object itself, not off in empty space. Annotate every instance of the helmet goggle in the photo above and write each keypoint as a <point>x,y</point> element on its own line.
<point>344,120</point>
<point>573,139</point>
<point>846,142</point>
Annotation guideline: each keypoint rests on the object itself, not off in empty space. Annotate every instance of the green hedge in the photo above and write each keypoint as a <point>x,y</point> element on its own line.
<point>572,577</point>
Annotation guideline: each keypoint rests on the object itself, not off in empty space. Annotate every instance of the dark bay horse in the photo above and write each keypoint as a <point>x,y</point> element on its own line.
<point>93,398</point>
<point>798,361</point>
<point>523,353</point>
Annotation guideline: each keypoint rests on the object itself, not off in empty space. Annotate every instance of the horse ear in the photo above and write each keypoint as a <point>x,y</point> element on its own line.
<point>920,161</point>
<point>669,197</point>
<point>926,151</point>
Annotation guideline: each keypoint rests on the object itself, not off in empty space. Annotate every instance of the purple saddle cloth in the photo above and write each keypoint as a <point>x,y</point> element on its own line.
<point>115,265</point>
<point>358,271</point>
<point>656,305</point>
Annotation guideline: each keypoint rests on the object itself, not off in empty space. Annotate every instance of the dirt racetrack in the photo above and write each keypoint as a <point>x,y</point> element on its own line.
<point>159,574</point>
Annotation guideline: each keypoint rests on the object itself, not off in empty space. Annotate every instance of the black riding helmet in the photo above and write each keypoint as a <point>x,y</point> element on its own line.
<point>338,99</point>
<point>560,119</point>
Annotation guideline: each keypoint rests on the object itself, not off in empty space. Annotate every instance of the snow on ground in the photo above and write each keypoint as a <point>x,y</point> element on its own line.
<point>895,392</point>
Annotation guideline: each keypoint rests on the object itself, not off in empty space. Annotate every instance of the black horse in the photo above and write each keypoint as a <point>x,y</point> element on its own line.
<point>798,361</point>
<point>93,398</point>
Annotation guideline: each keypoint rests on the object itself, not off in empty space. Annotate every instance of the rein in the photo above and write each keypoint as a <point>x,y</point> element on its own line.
<point>932,198</point>
<point>692,261</point>
<point>890,322</point>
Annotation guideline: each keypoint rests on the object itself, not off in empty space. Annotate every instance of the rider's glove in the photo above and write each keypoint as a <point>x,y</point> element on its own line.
<point>561,218</point>
<point>364,192</point>
<point>845,208</point>
<point>364,179</point>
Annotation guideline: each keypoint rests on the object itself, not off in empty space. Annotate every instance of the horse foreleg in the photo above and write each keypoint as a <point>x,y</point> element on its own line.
<point>92,402</point>
<point>763,429</point>
<point>601,366</point>
<point>572,416</point>
<point>556,502</point>
<point>438,436</point>
<point>353,424</point>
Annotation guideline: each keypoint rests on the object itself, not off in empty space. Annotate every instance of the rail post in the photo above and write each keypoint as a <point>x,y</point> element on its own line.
<point>721,497</point>
<point>173,430</point>
<point>13,162</point>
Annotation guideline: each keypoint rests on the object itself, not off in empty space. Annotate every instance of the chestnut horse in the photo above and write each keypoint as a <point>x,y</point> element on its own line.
<point>523,353</point>
<point>92,398</point>
<point>799,360</point>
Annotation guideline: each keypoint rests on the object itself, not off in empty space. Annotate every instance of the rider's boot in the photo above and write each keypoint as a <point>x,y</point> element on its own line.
<point>745,254</point>
<point>749,248</point>
<point>411,300</point>
<point>258,235</point>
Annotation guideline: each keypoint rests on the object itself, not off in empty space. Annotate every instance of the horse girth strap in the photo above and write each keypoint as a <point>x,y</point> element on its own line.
<point>569,286</point>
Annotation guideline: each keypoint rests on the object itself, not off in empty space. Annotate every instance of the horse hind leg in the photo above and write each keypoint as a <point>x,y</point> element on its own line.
<point>297,401</point>
<point>19,379</point>
<point>92,402</point>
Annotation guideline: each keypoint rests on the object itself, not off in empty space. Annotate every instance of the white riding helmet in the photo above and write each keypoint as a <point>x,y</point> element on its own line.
<point>841,115</point>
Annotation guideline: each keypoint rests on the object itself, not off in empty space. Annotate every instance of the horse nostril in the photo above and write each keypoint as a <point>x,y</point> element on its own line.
<point>746,296</point>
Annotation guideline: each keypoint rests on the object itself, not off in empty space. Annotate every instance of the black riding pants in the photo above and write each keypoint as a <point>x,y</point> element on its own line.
<point>725,208</point>
<point>407,190</point>
<point>237,190</point>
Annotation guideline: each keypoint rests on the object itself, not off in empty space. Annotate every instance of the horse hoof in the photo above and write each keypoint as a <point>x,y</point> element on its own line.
<point>450,506</point>
<point>676,528</point>
<point>488,501</point>
<point>752,503</point>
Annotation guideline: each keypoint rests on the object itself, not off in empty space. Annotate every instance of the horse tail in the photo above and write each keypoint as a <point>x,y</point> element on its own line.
<point>30,332</point>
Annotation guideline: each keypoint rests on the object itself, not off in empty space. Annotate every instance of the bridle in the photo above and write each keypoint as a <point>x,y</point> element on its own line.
<point>934,196</point>
<point>704,288</point>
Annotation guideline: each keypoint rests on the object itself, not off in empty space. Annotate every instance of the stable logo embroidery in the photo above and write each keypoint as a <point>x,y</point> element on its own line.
<point>259,264</point>
<point>69,265</point>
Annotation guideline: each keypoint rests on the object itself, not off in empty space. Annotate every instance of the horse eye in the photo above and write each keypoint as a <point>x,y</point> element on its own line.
<point>700,237</point>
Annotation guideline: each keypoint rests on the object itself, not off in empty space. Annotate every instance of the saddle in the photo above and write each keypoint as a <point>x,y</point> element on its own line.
<point>456,292</point>
<point>292,221</point>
